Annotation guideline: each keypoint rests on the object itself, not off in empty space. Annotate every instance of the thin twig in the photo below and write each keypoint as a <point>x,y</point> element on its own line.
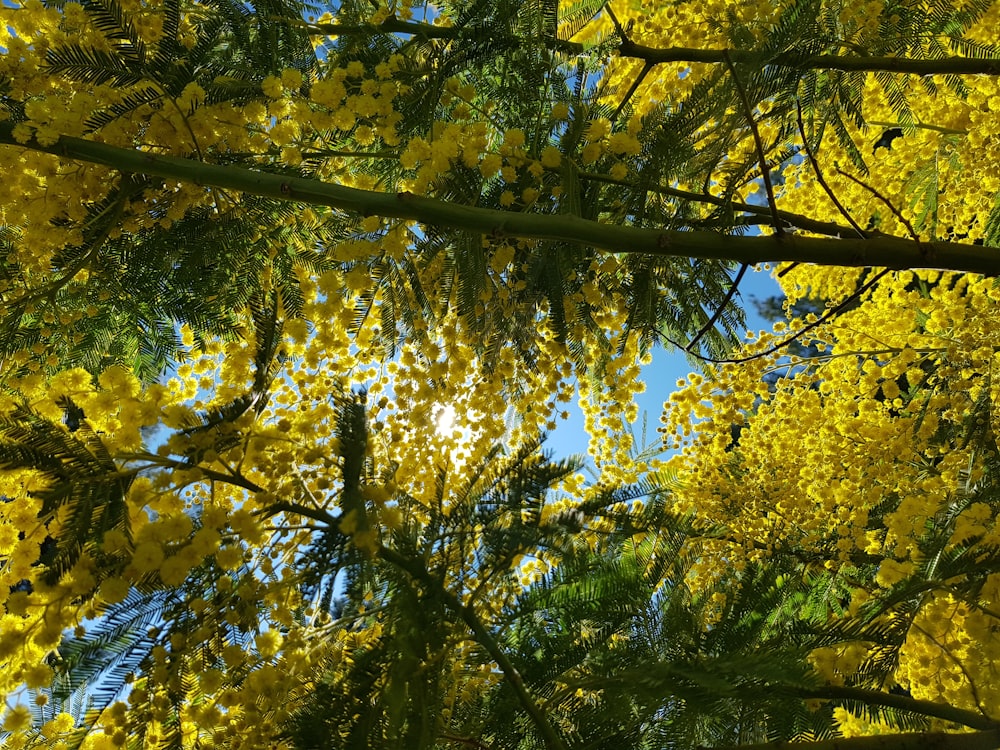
<point>895,211</point>
<point>780,345</point>
<point>901,702</point>
<point>958,663</point>
<point>317,514</point>
<point>953,65</point>
<point>646,67</point>
<point>718,312</point>
<point>616,22</point>
<point>823,183</point>
<point>918,126</point>
<point>784,271</point>
<point>631,90</point>
<point>964,597</point>
<point>819,175</point>
<point>796,220</point>
<point>416,569</point>
<point>765,173</point>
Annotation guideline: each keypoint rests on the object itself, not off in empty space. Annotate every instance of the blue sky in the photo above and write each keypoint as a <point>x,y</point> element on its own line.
<point>661,376</point>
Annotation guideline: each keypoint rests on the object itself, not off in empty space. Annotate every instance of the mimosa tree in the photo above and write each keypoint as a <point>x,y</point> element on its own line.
<point>291,295</point>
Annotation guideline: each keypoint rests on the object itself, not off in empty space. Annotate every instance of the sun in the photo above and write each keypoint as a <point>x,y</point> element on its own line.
<point>444,420</point>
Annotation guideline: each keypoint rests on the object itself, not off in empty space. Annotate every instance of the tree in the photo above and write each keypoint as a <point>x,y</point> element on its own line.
<point>293,293</point>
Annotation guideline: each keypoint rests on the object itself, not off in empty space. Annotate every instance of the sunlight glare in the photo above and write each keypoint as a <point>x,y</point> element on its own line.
<point>445,420</point>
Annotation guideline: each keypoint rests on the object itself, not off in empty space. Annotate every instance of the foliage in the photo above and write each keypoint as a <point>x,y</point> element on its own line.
<point>292,294</point>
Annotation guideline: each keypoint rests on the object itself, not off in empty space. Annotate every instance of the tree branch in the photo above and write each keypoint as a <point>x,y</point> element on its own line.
<point>829,314</point>
<point>718,311</point>
<point>485,639</point>
<point>961,716</point>
<point>988,740</point>
<point>895,211</point>
<point>394,25</point>
<point>660,55</point>
<point>317,514</point>
<point>882,250</point>
<point>765,173</point>
<point>791,59</point>
<point>819,173</point>
<point>798,221</point>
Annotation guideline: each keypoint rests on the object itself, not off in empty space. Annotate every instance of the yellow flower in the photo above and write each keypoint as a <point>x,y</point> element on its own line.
<point>22,132</point>
<point>113,590</point>
<point>891,572</point>
<point>591,153</point>
<point>268,643</point>
<point>18,603</point>
<point>60,724</point>
<point>69,382</point>
<point>174,569</point>
<point>502,258</point>
<point>37,676</point>
<point>490,165</point>
<point>229,558</point>
<point>513,138</point>
<point>623,143</point>
<point>119,381</point>
<point>551,157</point>
<point>147,557</point>
<point>272,87</point>
<point>291,78</point>
<point>204,543</point>
<point>17,719</point>
<point>597,129</point>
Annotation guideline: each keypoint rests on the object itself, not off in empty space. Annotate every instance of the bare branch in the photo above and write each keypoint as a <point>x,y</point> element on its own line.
<point>718,312</point>
<point>895,211</point>
<point>765,173</point>
<point>819,174</point>
<point>798,334</point>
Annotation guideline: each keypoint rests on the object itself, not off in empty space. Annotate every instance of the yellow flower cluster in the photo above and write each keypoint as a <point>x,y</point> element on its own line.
<point>852,455</point>
<point>846,459</point>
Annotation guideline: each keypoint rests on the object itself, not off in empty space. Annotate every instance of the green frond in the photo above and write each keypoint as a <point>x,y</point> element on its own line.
<point>110,18</point>
<point>577,15</point>
<point>992,225</point>
<point>83,484</point>
<point>101,662</point>
<point>89,65</point>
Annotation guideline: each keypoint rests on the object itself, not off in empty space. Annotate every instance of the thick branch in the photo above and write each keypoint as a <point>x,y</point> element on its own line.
<point>660,55</point>
<point>792,59</point>
<point>989,740</point>
<point>961,716</point>
<point>889,252</point>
